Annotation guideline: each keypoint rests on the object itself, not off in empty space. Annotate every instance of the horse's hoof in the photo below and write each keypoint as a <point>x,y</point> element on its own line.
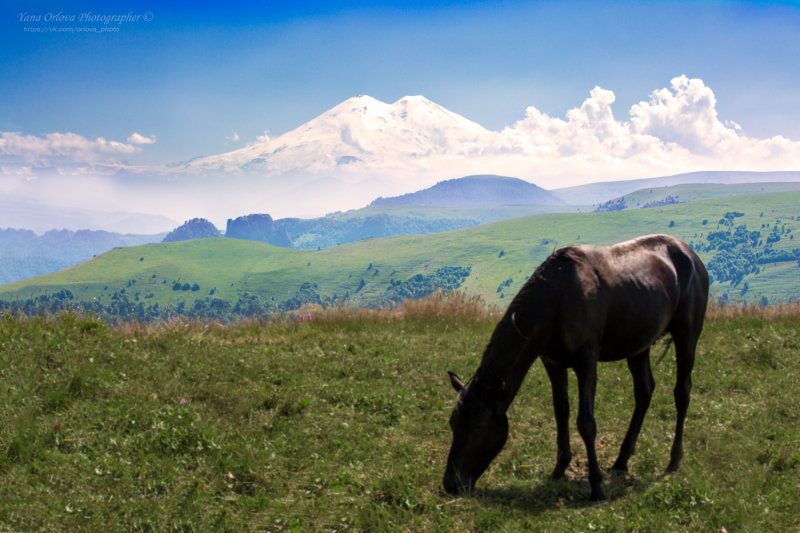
<point>597,496</point>
<point>619,467</point>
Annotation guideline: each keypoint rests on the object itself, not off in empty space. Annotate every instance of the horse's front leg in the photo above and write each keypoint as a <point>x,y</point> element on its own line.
<point>558,382</point>
<point>586,372</point>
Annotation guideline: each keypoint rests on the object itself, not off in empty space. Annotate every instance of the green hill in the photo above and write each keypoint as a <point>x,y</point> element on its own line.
<point>751,263</point>
<point>691,192</point>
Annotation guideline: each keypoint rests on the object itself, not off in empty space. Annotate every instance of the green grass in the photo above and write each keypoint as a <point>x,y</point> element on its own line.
<point>340,423</point>
<point>694,192</point>
<point>232,267</point>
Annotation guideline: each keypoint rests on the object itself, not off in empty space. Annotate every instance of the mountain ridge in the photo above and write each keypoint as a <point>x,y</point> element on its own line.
<point>602,191</point>
<point>23,254</point>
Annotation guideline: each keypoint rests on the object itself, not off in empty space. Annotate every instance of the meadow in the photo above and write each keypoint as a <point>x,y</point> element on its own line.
<point>500,257</point>
<point>337,420</point>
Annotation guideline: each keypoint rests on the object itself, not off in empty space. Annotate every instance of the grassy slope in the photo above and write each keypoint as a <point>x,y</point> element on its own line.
<point>232,266</point>
<point>704,191</point>
<point>341,424</point>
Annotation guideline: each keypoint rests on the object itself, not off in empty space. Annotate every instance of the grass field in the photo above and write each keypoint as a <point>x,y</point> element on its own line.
<point>340,423</point>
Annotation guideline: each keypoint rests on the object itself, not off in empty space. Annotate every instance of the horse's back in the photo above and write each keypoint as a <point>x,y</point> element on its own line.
<point>690,296</point>
<point>626,295</point>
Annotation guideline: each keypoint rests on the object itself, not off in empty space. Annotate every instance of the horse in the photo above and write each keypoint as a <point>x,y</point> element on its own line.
<point>582,305</point>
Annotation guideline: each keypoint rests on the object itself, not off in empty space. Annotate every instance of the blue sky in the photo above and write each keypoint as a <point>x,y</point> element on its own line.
<point>196,74</point>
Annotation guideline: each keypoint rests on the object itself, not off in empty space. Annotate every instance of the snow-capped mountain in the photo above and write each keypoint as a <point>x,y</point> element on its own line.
<point>415,142</point>
<point>364,148</point>
<point>360,134</point>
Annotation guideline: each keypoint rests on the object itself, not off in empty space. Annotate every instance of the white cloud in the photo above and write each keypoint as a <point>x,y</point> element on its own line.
<point>414,143</point>
<point>138,138</point>
<point>676,130</point>
<point>685,115</point>
<point>59,149</point>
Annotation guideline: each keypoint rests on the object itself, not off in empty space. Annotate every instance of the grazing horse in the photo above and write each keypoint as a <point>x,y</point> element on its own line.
<point>583,304</point>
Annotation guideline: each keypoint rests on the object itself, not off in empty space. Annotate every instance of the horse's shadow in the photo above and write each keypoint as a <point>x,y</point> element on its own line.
<point>562,493</point>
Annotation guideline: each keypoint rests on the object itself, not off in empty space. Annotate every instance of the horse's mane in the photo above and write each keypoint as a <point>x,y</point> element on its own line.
<point>518,314</point>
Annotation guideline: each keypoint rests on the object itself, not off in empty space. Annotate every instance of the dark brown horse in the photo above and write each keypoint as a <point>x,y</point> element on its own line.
<point>583,304</point>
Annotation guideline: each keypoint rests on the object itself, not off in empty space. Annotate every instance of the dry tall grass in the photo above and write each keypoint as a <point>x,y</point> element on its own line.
<point>442,307</point>
<point>782,310</point>
<point>454,306</point>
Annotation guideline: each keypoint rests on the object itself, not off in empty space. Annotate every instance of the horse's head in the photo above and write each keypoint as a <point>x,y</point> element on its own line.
<point>480,429</point>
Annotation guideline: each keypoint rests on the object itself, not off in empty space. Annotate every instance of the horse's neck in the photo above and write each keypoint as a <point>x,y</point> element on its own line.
<point>507,359</point>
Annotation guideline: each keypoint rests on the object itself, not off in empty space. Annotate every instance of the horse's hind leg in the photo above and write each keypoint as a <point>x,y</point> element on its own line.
<point>643,385</point>
<point>558,382</point>
<point>685,345</point>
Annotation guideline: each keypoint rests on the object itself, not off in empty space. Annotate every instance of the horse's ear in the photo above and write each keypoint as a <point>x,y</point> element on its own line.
<point>455,381</point>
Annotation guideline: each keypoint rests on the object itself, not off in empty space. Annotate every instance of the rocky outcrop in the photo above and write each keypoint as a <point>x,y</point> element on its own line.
<point>258,227</point>
<point>197,228</point>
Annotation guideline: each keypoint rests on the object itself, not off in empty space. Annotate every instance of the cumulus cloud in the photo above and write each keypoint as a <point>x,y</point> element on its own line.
<point>59,149</point>
<point>676,130</point>
<point>138,138</point>
<point>233,138</point>
<point>685,115</point>
<point>590,128</point>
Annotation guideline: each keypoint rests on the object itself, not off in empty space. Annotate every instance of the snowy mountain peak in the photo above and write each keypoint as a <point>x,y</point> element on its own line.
<point>416,100</point>
<point>360,105</point>
<point>361,133</point>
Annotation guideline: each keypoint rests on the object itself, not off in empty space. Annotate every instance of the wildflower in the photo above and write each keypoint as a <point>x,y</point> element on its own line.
<point>183,401</point>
